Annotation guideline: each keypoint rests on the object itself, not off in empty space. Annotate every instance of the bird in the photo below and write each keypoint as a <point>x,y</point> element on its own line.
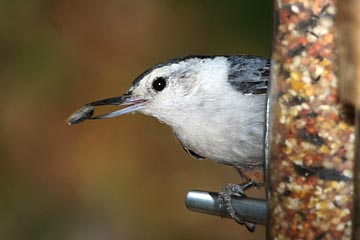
<point>215,106</point>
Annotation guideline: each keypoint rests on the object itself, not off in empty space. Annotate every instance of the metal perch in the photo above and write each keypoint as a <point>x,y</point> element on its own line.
<point>250,209</point>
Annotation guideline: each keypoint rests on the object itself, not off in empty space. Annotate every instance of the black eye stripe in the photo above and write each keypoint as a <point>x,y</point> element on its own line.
<point>159,84</point>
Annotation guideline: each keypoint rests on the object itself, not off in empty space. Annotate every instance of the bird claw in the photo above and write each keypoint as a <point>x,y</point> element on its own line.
<point>238,190</point>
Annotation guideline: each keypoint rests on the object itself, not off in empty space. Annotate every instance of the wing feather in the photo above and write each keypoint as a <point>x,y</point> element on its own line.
<point>249,74</point>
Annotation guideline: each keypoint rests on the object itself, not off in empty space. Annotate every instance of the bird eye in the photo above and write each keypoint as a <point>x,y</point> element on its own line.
<point>159,84</point>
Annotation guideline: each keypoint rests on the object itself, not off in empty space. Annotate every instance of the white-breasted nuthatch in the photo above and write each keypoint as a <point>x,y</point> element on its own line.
<point>214,104</point>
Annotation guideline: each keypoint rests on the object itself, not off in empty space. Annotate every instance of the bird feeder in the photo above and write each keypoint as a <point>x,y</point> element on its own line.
<point>311,133</point>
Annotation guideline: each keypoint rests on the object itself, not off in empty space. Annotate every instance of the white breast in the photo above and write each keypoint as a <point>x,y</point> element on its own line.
<point>220,123</point>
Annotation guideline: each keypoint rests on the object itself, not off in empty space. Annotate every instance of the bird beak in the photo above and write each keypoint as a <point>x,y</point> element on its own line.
<point>87,111</point>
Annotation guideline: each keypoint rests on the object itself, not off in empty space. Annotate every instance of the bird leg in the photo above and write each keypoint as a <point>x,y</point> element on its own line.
<point>232,189</point>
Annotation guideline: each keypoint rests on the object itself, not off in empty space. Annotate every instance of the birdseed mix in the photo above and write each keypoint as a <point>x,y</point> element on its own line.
<point>311,136</point>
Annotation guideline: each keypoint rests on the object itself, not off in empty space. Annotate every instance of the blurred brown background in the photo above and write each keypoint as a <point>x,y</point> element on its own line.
<point>122,178</point>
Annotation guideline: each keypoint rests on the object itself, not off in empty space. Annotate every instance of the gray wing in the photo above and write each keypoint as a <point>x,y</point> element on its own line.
<point>249,74</point>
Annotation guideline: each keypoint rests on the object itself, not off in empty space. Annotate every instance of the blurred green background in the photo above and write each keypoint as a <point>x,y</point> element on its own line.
<point>122,178</point>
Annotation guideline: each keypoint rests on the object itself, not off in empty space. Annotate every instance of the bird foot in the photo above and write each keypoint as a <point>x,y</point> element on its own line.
<point>238,190</point>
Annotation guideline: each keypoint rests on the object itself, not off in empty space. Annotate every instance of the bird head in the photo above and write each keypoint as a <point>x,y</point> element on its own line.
<point>162,91</point>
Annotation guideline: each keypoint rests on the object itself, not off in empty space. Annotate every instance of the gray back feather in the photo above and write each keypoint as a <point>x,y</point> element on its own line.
<point>249,74</point>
